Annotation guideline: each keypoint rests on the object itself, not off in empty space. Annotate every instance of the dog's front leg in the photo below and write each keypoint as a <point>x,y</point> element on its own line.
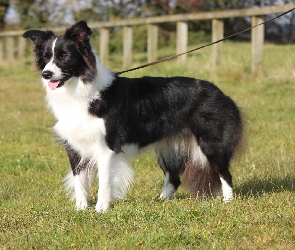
<point>79,179</point>
<point>81,189</point>
<point>105,182</point>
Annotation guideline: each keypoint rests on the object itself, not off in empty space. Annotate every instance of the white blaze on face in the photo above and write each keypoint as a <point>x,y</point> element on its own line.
<point>55,80</point>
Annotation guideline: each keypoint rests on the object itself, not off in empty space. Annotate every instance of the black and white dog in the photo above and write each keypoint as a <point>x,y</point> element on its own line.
<point>103,120</point>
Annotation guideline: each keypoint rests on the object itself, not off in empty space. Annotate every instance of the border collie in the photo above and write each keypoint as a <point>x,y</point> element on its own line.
<point>103,120</point>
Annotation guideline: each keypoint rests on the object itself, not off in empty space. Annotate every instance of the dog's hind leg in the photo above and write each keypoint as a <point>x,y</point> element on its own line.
<point>219,157</point>
<point>226,184</point>
<point>169,188</point>
<point>172,167</point>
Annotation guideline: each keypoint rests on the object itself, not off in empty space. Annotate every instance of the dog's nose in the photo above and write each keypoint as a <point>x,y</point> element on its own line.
<point>47,74</point>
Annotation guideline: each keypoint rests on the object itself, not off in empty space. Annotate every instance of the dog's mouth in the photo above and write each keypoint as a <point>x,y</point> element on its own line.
<point>53,84</point>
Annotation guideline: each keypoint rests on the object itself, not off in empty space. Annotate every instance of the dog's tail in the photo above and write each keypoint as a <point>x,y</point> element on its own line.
<point>201,180</point>
<point>198,176</point>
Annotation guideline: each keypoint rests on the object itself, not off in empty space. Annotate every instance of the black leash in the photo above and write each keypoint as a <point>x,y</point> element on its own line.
<point>225,38</point>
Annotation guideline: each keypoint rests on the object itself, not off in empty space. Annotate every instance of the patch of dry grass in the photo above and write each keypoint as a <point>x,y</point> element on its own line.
<point>36,213</point>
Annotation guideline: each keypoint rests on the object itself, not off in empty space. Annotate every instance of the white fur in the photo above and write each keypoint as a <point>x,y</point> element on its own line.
<point>75,125</point>
<point>226,190</point>
<point>168,190</point>
<point>85,133</point>
<point>182,144</point>
<point>81,187</point>
<point>50,66</point>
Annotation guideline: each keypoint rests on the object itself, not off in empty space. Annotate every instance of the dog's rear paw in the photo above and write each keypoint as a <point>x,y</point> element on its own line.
<point>228,198</point>
<point>164,196</point>
<point>168,192</point>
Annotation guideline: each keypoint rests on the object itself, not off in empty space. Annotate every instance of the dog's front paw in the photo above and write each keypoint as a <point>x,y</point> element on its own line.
<point>81,205</point>
<point>102,207</point>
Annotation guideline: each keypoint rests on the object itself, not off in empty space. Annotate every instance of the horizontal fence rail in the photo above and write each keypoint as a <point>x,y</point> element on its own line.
<point>13,46</point>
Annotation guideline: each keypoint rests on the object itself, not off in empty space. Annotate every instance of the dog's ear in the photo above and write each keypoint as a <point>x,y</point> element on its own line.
<point>79,32</point>
<point>38,36</point>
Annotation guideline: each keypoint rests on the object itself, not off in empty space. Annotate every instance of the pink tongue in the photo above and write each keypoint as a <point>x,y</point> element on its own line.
<point>53,84</point>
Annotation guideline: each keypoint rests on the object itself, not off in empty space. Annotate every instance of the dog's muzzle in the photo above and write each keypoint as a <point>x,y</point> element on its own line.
<point>47,74</point>
<point>55,83</point>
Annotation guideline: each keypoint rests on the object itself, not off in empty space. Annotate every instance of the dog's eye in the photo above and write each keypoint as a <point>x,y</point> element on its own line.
<point>46,57</point>
<point>64,56</point>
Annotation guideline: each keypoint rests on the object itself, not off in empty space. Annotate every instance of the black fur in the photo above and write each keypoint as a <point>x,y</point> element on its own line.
<point>149,111</point>
<point>145,110</point>
<point>177,104</point>
<point>73,52</point>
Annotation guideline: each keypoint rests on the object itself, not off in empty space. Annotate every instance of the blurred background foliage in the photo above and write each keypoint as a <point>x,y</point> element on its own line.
<point>27,14</point>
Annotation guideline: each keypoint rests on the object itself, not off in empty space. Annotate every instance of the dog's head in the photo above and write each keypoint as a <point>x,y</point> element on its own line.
<point>61,58</point>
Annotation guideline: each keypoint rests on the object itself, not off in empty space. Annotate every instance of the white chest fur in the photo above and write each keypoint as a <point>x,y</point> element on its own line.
<point>84,132</point>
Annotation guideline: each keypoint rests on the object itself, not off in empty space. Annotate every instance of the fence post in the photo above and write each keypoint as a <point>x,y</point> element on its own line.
<point>152,43</point>
<point>1,49</point>
<point>127,46</point>
<point>104,46</point>
<point>257,40</point>
<point>181,43</point>
<point>10,48</point>
<point>217,34</point>
<point>21,47</point>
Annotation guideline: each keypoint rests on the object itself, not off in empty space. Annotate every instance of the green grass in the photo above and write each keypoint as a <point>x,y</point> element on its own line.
<point>36,213</point>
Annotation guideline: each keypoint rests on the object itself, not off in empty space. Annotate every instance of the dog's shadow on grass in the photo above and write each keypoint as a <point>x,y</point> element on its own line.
<point>252,188</point>
<point>260,187</point>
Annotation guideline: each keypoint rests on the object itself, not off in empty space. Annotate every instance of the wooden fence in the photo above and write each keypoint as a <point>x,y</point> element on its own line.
<point>12,45</point>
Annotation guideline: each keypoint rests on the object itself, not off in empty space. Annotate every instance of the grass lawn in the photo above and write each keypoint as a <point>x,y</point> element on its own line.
<point>36,213</point>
